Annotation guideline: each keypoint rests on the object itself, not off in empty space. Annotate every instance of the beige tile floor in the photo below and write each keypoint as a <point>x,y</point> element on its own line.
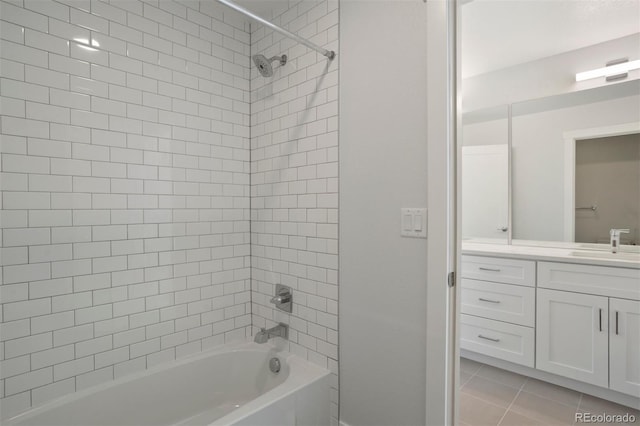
<point>491,396</point>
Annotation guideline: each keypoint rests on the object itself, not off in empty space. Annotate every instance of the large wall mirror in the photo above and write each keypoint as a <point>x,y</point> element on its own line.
<point>575,165</point>
<point>547,159</point>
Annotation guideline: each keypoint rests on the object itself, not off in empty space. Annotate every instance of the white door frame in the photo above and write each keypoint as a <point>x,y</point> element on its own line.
<point>442,244</point>
<point>570,139</point>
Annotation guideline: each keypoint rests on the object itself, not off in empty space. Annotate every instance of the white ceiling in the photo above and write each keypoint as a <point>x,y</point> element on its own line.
<point>500,33</point>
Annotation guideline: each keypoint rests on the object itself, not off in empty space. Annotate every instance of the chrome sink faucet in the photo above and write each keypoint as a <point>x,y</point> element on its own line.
<point>280,330</point>
<point>615,238</point>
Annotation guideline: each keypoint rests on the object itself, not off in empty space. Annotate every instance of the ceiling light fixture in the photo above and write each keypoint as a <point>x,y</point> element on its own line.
<point>615,70</point>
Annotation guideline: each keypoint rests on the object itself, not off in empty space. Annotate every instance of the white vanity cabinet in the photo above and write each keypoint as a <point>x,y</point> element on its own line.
<point>574,320</point>
<point>572,335</point>
<point>624,346</point>
<point>582,331</point>
<point>498,314</point>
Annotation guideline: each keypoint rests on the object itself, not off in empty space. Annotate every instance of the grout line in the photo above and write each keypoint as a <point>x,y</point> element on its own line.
<point>488,403</point>
<point>579,401</point>
<point>494,380</point>
<point>578,408</point>
<point>511,404</point>
<point>250,185</point>
<point>556,401</point>
<point>475,374</point>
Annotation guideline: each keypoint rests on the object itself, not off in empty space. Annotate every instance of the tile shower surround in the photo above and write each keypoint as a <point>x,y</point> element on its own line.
<point>127,151</point>
<point>294,183</point>
<point>125,189</point>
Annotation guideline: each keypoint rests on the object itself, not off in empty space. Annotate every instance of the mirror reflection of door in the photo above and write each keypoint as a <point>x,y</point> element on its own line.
<point>485,176</point>
<point>607,188</point>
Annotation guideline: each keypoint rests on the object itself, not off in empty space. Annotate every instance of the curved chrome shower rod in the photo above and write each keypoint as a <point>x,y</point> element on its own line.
<point>328,53</point>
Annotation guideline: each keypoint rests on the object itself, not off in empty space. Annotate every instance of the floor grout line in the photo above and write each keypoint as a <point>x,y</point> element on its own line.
<point>514,400</point>
<point>479,398</point>
<point>494,380</point>
<point>486,402</point>
<point>578,407</point>
<point>554,400</point>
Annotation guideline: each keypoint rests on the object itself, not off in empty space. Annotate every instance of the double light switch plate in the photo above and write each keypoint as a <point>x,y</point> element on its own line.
<point>413,223</point>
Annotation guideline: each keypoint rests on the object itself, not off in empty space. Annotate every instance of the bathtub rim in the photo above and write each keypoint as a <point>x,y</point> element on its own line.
<point>301,373</point>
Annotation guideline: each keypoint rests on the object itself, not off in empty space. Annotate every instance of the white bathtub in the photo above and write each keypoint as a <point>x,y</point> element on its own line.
<point>231,385</point>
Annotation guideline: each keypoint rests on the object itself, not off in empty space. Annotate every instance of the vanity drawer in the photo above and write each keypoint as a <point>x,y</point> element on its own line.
<point>509,271</point>
<point>502,302</point>
<point>513,343</point>
<point>623,283</point>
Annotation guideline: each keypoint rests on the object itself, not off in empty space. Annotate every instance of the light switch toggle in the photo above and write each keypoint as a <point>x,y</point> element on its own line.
<point>414,223</point>
<point>417,222</point>
<point>407,222</point>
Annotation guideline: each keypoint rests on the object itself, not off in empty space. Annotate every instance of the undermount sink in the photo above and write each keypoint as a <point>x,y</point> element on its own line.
<point>634,257</point>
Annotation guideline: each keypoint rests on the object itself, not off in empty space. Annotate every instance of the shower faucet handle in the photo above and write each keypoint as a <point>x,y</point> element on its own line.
<point>283,298</point>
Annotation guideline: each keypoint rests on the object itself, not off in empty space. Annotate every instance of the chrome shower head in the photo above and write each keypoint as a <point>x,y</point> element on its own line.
<point>264,65</point>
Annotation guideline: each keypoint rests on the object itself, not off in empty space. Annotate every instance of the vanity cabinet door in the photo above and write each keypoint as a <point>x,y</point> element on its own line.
<point>572,335</point>
<point>624,341</point>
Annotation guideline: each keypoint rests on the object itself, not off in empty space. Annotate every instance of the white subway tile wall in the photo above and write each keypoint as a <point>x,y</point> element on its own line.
<point>125,189</point>
<point>294,183</point>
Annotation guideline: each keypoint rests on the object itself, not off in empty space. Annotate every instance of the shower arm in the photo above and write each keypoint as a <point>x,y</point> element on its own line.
<point>328,53</point>
<point>281,59</point>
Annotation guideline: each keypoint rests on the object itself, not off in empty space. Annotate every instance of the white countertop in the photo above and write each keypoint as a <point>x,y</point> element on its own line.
<point>629,258</point>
